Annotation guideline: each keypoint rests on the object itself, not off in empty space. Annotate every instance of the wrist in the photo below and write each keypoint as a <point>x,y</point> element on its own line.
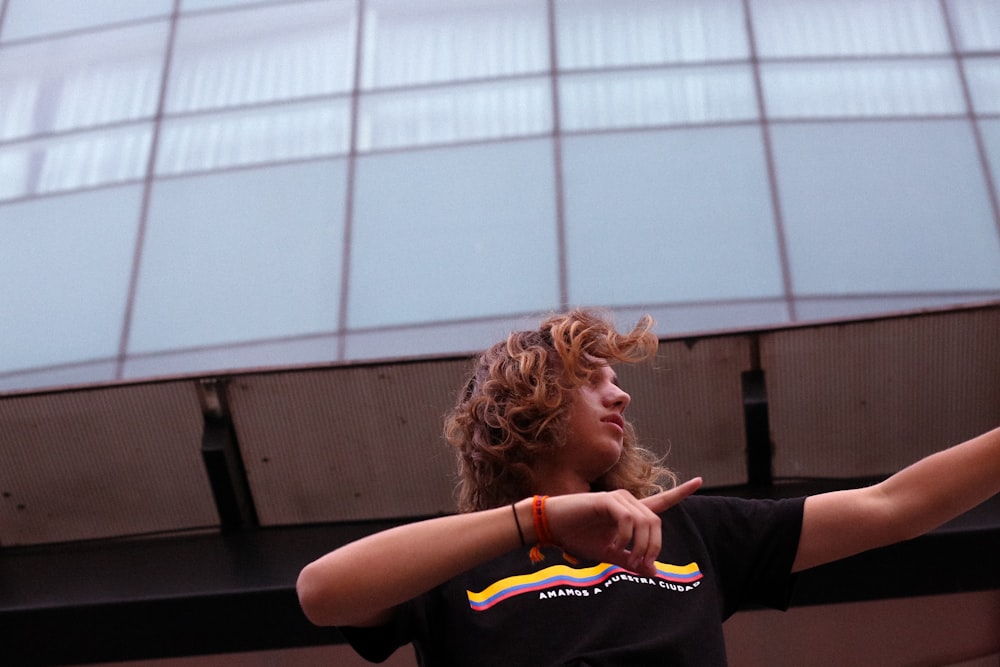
<point>523,513</point>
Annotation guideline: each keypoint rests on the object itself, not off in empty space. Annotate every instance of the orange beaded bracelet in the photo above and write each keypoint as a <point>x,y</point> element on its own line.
<point>541,522</point>
<point>543,532</point>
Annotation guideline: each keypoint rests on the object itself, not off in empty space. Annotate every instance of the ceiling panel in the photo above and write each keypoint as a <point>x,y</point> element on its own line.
<point>365,442</point>
<point>868,398</point>
<point>106,462</point>
<point>688,405</point>
<point>356,442</point>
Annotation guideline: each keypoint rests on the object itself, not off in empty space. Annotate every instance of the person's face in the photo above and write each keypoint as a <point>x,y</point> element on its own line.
<point>595,427</point>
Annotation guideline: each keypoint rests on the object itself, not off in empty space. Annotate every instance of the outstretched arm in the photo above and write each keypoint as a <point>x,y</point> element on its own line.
<point>360,583</point>
<point>910,503</point>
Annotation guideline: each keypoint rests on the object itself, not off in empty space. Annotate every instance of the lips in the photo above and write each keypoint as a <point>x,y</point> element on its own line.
<point>617,420</point>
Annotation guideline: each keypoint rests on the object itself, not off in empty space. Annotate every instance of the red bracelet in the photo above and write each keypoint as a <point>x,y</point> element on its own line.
<point>543,532</point>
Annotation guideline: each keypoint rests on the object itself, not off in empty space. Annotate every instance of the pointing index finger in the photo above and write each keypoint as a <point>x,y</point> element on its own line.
<point>666,499</point>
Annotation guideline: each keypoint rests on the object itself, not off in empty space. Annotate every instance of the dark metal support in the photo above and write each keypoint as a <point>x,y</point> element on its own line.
<point>223,462</point>
<point>234,592</point>
<point>758,429</point>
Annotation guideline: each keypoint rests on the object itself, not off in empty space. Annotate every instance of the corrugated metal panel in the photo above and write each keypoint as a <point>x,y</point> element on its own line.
<point>365,442</point>
<point>350,443</point>
<point>869,398</point>
<point>688,405</point>
<point>346,443</point>
<point>102,463</point>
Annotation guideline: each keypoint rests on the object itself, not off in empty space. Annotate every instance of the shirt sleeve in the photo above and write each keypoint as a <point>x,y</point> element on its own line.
<point>752,544</point>
<point>376,644</point>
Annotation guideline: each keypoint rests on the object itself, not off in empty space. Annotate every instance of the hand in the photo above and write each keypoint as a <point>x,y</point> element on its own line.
<point>614,527</point>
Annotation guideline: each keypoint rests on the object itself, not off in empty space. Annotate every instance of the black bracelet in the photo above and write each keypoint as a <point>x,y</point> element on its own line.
<point>518,522</point>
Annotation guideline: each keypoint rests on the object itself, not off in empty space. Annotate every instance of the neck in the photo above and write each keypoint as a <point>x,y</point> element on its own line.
<point>550,481</point>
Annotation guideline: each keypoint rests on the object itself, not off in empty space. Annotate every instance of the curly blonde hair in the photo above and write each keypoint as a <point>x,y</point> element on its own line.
<point>515,406</point>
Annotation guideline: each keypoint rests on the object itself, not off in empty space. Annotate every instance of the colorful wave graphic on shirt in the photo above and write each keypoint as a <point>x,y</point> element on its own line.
<point>564,575</point>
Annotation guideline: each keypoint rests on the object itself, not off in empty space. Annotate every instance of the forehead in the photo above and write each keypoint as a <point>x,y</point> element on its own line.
<point>603,371</point>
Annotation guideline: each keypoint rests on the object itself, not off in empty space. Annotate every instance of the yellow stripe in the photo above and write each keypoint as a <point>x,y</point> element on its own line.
<point>567,571</point>
<point>690,568</point>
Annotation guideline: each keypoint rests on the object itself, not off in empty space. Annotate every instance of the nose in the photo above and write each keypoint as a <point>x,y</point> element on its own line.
<point>617,398</point>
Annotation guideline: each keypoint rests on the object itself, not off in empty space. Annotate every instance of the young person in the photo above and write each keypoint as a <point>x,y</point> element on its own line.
<point>567,549</point>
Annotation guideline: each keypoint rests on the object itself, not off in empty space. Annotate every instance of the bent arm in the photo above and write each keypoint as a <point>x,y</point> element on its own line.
<point>915,500</point>
<point>360,583</point>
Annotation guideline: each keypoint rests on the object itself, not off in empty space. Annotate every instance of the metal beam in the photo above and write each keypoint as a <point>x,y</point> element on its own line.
<point>234,591</point>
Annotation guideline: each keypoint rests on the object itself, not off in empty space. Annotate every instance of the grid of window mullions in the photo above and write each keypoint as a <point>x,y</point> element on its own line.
<point>506,106</point>
<point>211,136</point>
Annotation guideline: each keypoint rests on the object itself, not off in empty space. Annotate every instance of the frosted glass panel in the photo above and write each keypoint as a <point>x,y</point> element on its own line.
<point>262,55</point>
<point>60,376</point>
<point>976,24</point>
<point>454,233</point>
<point>31,18</point>
<point>74,161</point>
<point>467,336</point>
<point>427,41</point>
<point>861,305</point>
<point>990,130</point>
<point>18,165</point>
<point>670,216</point>
<point>885,207</point>
<point>256,136</point>
<point>281,351</point>
<point>790,28</point>
<point>497,110</point>
<point>661,97</point>
<point>196,5</point>
<point>240,256</point>
<point>862,89</point>
<point>82,81</point>
<point>65,263</point>
<point>597,33</point>
<point>983,75</point>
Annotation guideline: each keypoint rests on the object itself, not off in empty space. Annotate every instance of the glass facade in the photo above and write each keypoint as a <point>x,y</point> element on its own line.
<point>191,186</point>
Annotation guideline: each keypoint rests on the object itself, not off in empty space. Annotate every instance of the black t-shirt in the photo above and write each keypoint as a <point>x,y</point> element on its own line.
<point>719,554</point>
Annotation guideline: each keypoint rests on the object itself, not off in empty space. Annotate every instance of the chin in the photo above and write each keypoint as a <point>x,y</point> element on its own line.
<point>612,461</point>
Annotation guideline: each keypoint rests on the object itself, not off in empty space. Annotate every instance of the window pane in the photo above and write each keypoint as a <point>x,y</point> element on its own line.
<point>464,336</point>
<point>862,89</point>
<point>31,18</point>
<point>446,115</point>
<point>263,55</point>
<point>885,207</point>
<point>216,141</point>
<point>73,310</point>
<point>428,41</point>
<point>662,97</point>
<point>60,376</point>
<point>670,216</point>
<point>463,232</point>
<point>225,261</point>
<point>197,5</point>
<point>977,24</point>
<point>793,28</point>
<point>281,351</point>
<point>990,130</point>
<point>983,75</point>
<point>82,81</point>
<point>687,317</point>
<point>74,161</point>
<point>597,33</point>
<point>859,305</point>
